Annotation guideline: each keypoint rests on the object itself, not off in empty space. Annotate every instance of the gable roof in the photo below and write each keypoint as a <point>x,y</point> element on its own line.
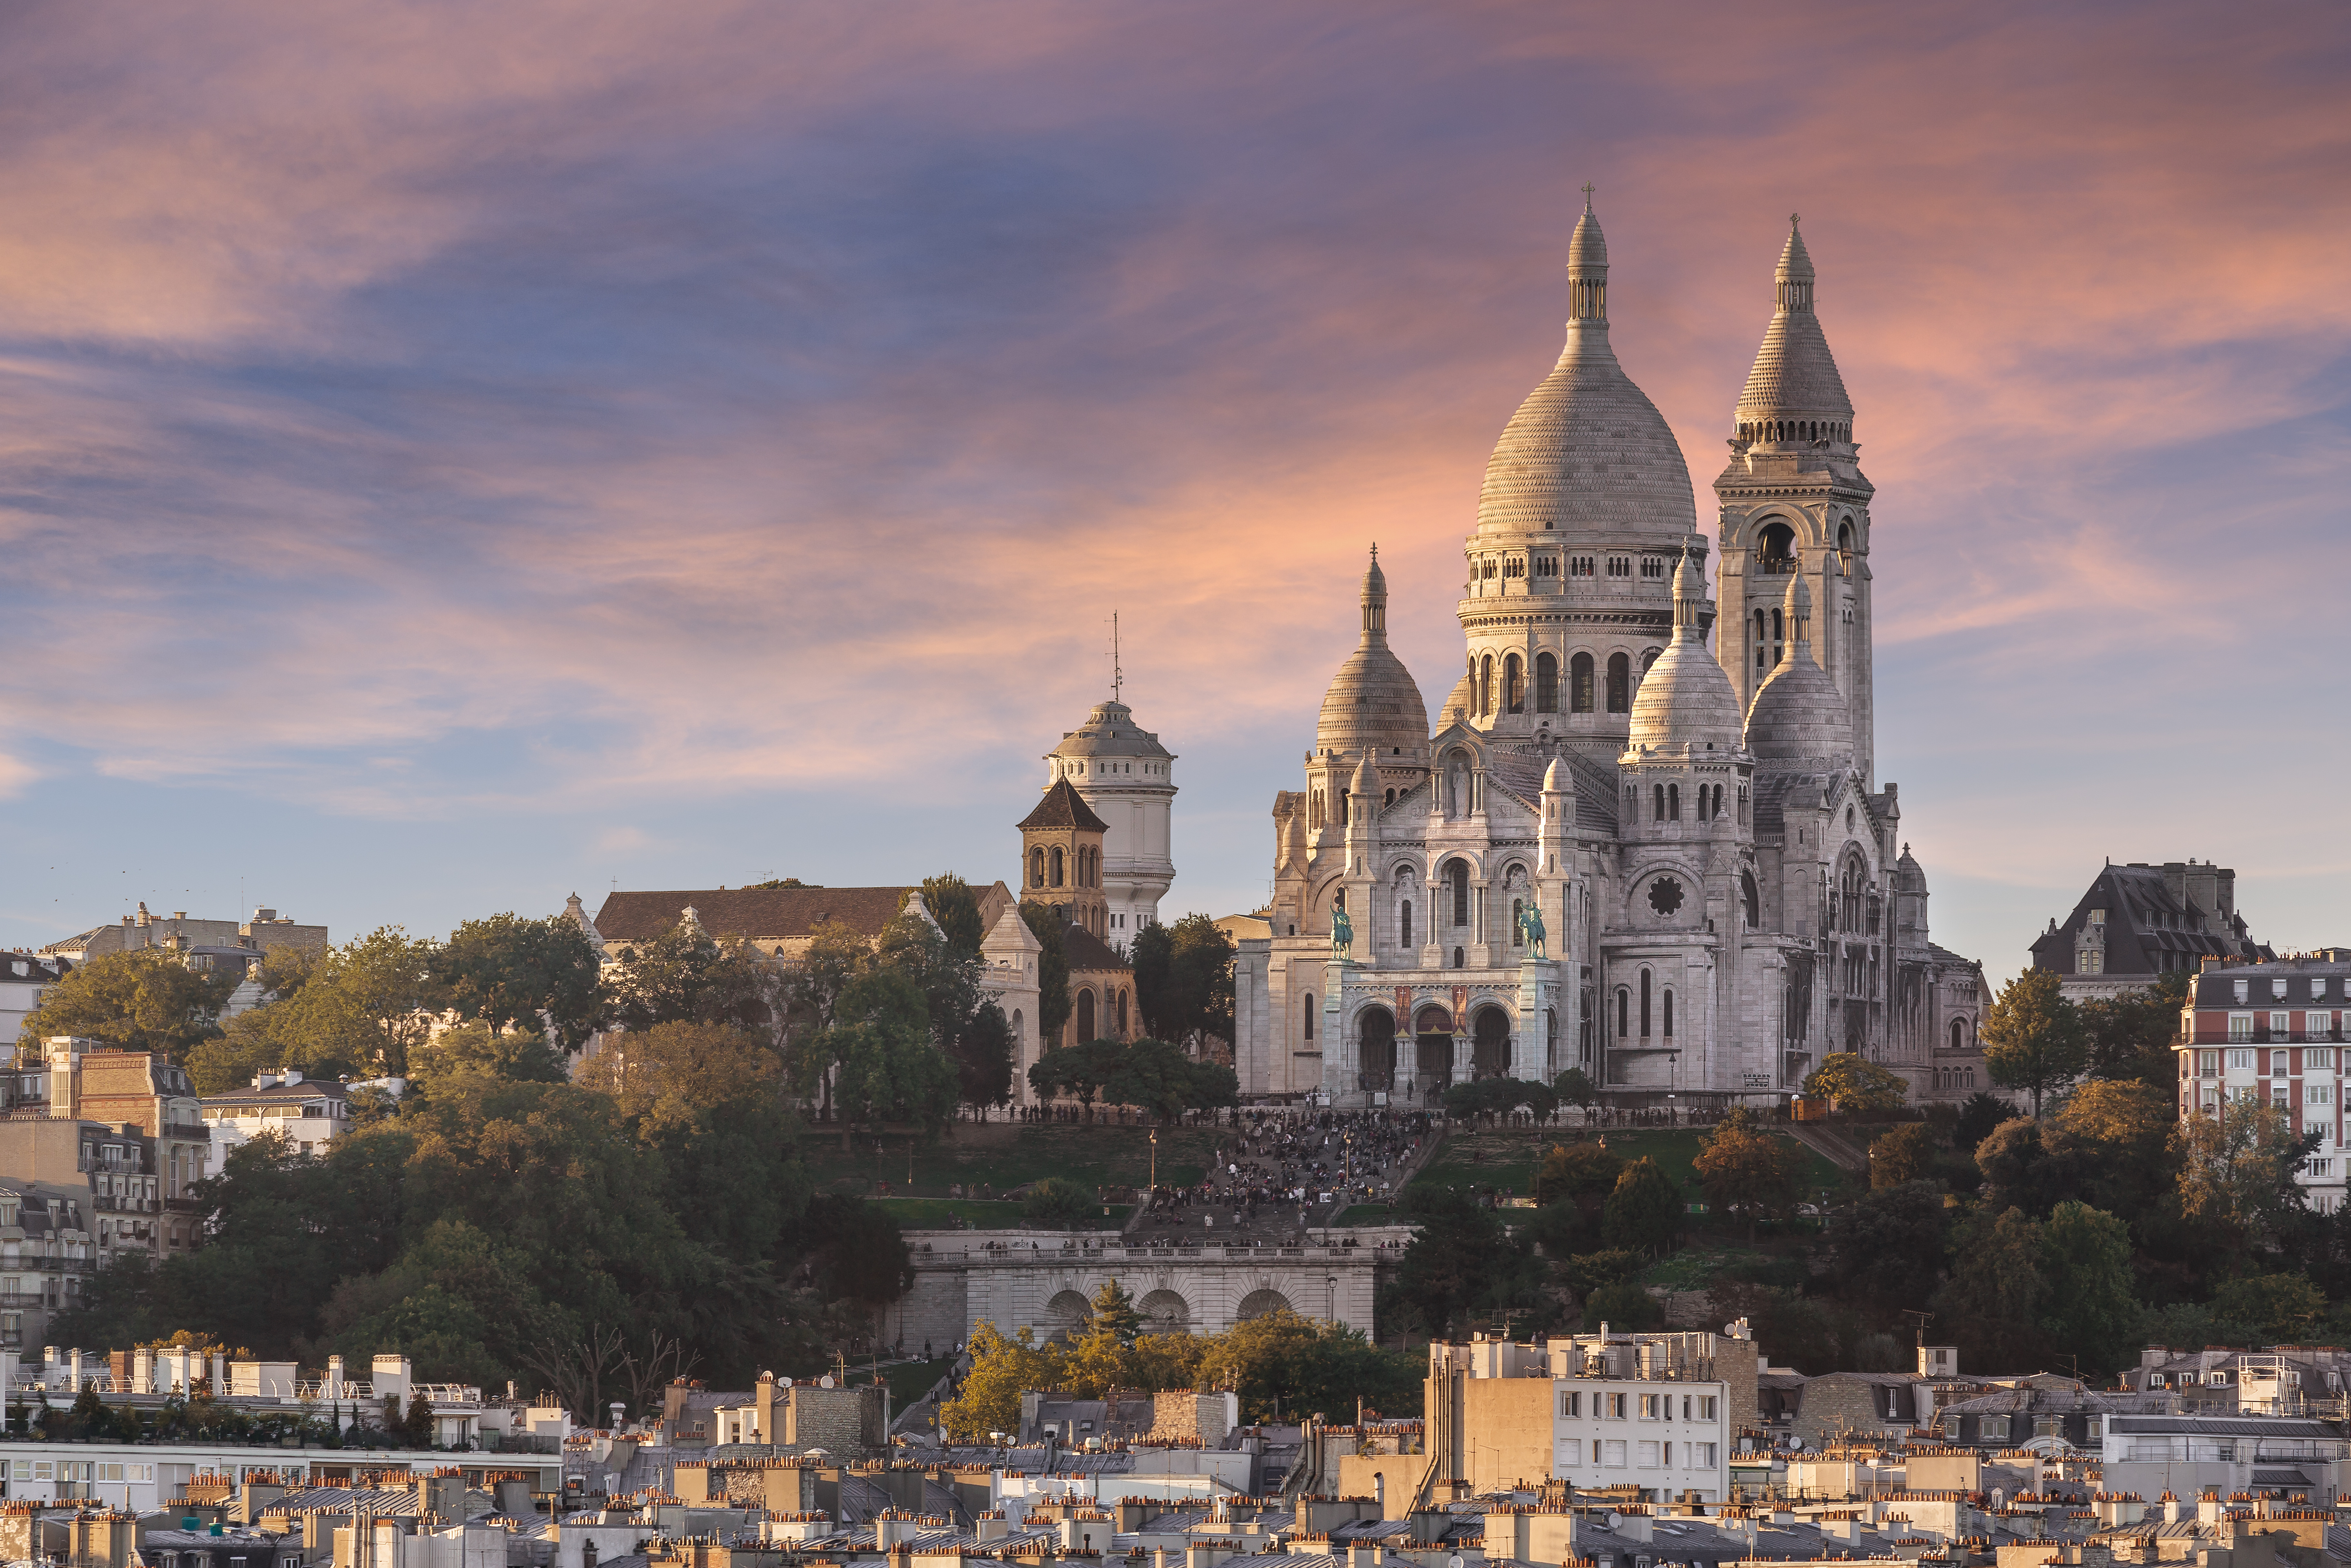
<point>760,913</point>
<point>1063,807</point>
<point>1084,950</point>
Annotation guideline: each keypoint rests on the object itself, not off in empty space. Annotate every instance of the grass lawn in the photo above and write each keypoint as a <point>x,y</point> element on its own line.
<point>1005,1155</point>
<point>933,1213</point>
<point>1369,1214</point>
<point>909,1381</point>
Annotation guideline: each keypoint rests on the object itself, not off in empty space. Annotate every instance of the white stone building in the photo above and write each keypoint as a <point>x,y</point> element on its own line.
<point>1679,786</point>
<point>1128,779</point>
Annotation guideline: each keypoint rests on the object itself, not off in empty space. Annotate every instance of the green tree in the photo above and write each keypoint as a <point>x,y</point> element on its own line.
<point>1747,1171</point>
<point>687,976</point>
<point>1888,1244</point>
<point>1159,1078</point>
<point>2032,1037</point>
<point>1292,1365</point>
<point>418,1428</point>
<point>1058,1202</point>
<point>1979,1114</point>
<point>1084,1069</point>
<point>850,1250</point>
<point>484,1047</point>
<point>2019,1170</point>
<point>1184,980</point>
<point>2089,1314</point>
<point>510,971</point>
<point>1574,1088</point>
<point>1622,1305</point>
<point>1906,1154</point>
<point>1002,1369</point>
<point>2128,1038</point>
<point>2282,1309</point>
<point>1645,1212</point>
<point>1994,1297</point>
<point>954,905</point>
<point>1592,1272</point>
<point>1045,922</point>
<point>1576,1171</point>
<point>2115,1137</point>
<point>1460,1261</point>
<point>2236,1170</point>
<point>1114,1314</point>
<point>984,1053</point>
<point>1857,1083</point>
<point>147,999</point>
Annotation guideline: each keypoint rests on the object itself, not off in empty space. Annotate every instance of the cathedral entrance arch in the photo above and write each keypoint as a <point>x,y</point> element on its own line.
<point>1489,1052</point>
<point>1432,1029</point>
<point>1377,1049</point>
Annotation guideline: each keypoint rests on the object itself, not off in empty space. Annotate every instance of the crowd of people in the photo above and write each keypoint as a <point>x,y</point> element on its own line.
<point>1278,1165</point>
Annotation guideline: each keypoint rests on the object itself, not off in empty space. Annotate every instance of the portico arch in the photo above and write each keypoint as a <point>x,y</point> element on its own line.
<point>1432,1029</point>
<point>1376,1049</point>
<point>1165,1312</point>
<point>1489,1043</point>
<point>1070,1313</point>
<point>1262,1304</point>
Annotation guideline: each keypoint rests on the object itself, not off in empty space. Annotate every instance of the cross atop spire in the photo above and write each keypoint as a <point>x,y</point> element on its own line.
<point>1587,195</point>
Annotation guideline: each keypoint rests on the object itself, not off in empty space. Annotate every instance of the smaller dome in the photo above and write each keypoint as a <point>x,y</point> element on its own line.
<point>1798,720</point>
<point>1374,706</point>
<point>1686,699</point>
<point>1587,248</point>
<point>1111,731</point>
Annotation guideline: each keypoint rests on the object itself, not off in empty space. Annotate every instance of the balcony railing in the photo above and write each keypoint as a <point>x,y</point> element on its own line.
<point>1775,565</point>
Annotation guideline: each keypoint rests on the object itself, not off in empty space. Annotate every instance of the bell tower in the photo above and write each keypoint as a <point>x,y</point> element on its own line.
<point>1793,502</point>
<point>1061,858</point>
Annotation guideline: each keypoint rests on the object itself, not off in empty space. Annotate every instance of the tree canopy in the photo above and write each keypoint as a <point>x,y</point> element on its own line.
<point>1857,1083</point>
<point>2032,1037</point>
<point>147,999</point>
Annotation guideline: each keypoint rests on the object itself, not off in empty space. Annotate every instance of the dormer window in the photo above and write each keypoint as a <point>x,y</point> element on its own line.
<point>2097,918</point>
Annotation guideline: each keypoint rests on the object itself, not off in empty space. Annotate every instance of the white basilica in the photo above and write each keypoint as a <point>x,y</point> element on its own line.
<point>1645,839</point>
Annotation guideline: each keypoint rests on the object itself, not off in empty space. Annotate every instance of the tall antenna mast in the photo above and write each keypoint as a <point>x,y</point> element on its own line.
<point>1117,676</point>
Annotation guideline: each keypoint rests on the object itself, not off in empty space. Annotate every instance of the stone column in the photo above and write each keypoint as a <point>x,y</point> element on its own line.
<point>1338,1077</point>
<point>1538,984</point>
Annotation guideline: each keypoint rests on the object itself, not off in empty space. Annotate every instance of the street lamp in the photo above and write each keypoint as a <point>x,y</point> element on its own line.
<point>1332,1281</point>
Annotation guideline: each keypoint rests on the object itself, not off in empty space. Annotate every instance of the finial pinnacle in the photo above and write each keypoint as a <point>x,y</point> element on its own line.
<point>1587,195</point>
<point>1795,218</point>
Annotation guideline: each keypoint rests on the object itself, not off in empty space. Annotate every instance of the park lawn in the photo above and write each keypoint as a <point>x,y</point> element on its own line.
<point>910,1380</point>
<point>1693,1267</point>
<point>1005,1155</point>
<point>1370,1214</point>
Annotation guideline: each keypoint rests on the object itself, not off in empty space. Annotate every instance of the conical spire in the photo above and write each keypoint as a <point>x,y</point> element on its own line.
<point>1795,392</point>
<point>1376,602</point>
<point>1689,591</point>
<point>1587,269</point>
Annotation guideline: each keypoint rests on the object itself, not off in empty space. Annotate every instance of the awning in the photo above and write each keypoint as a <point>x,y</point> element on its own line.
<point>2280,1478</point>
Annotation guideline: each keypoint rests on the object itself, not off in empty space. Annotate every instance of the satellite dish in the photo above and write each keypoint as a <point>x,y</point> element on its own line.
<point>825,1381</point>
<point>785,1381</point>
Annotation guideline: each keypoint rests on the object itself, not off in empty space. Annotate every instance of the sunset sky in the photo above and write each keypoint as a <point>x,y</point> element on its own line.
<point>456,455</point>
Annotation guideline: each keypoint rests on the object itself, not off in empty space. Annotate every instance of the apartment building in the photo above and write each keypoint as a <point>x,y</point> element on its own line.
<point>1655,1413</point>
<point>2273,1032</point>
<point>308,1113</point>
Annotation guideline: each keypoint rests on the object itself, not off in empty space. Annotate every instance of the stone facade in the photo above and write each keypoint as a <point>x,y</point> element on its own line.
<point>1045,1283</point>
<point>1645,839</point>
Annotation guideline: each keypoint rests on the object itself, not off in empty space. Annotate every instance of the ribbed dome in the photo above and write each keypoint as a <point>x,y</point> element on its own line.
<point>1374,704</point>
<point>1795,376</point>
<point>1111,731</point>
<point>1686,699</point>
<point>1587,449</point>
<point>1799,722</point>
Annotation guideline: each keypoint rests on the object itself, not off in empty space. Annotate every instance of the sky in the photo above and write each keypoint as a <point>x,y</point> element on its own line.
<point>453,457</point>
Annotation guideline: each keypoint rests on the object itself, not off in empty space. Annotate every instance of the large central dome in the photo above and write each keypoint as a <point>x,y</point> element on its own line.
<point>1587,451</point>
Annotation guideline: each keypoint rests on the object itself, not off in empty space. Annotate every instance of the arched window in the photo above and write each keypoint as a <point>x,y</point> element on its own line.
<point>1037,868</point>
<point>1546,682</point>
<point>1086,1016</point>
<point>1457,873</point>
<point>1620,684</point>
<point>1121,1017</point>
<point>1658,803</point>
<point>1645,1004</point>
<point>1673,802</point>
<point>1670,1012</point>
<point>1309,1018</point>
<point>1754,900</point>
<point>1404,925</point>
<point>1718,802</point>
<point>1458,959</point>
<point>1057,867</point>
<point>1624,1006</point>
<point>1388,800</point>
<point>1486,686</point>
<point>1958,1035</point>
<point>1016,1036</point>
<point>1579,683</point>
<point>1514,694</point>
<point>1518,929</point>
